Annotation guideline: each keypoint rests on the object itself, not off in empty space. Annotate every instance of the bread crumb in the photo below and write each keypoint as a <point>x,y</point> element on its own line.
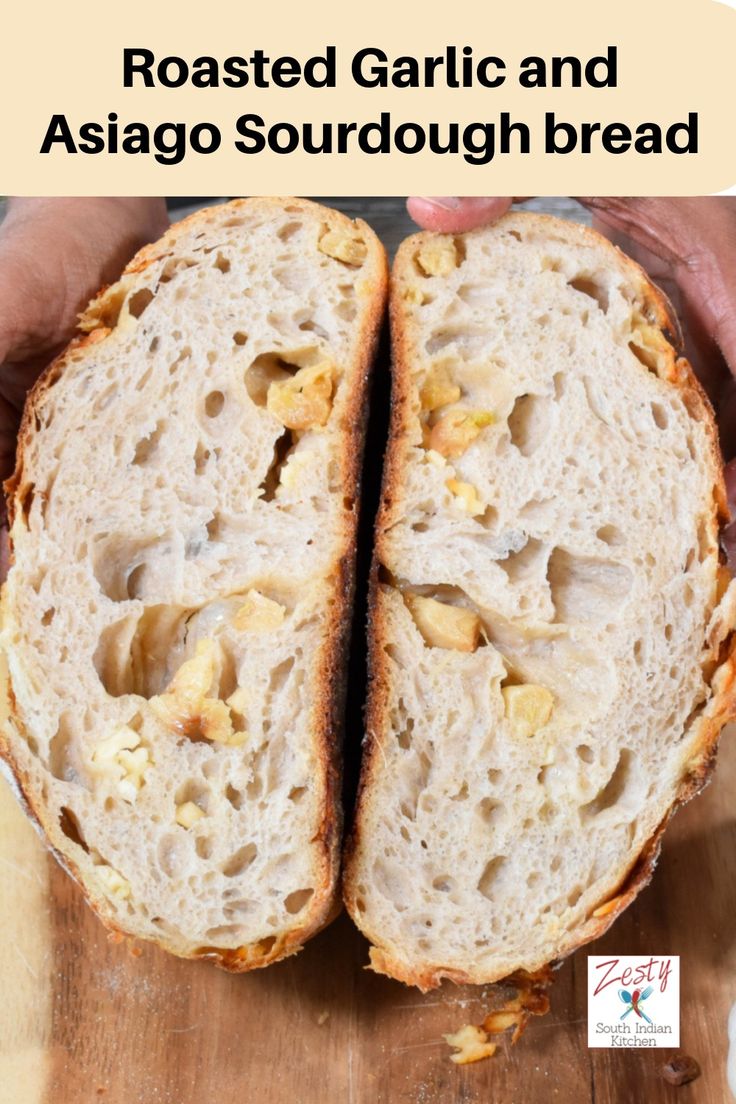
<point>323,1017</point>
<point>471,1045</point>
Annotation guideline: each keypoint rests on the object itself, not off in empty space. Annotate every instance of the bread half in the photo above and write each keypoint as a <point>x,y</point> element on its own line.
<point>176,617</point>
<point>550,639</point>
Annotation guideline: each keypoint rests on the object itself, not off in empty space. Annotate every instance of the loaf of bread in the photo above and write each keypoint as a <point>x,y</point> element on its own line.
<point>175,621</point>
<point>550,630</point>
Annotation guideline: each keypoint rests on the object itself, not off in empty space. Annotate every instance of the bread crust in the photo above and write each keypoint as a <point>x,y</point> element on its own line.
<point>721,708</point>
<point>327,712</point>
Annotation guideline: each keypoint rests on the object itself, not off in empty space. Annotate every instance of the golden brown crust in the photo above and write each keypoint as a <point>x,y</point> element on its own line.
<point>720,710</point>
<point>328,709</point>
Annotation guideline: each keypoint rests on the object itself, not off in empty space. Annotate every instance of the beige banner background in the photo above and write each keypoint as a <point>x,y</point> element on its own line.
<point>673,59</point>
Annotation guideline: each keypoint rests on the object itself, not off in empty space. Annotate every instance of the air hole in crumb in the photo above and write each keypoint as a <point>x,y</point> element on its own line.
<point>529,422</point>
<point>461,794</point>
<point>551,264</point>
<point>25,500</point>
<point>235,797</point>
<point>645,356</point>
<point>585,753</point>
<point>490,873</point>
<point>138,302</point>
<point>296,794</point>
<point>520,565</point>
<point>489,810</point>
<point>240,861</point>
<point>610,534</point>
<point>223,931</point>
<point>222,263</point>
<point>265,946</point>
<point>267,368</point>
<point>147,446</point>
<point>298,900</point>
<point>586,589</point>
<point>201,456</point>
<point>254,788</point>
<point>488,519</point>
<point>135,587</point>
<point>239,338</point>
<point>660,416</point>
<point>288,230</point>
<point>60,764</point>
<point>614,788</point>
<point>70,827</point>
<point>281,451</point>
<point>404,736</point>
<point>214,403</point>
<point>588,285</point>
<point>310,326</point>
<point>203,846</point>
<point>193,791</point>
<point>48,616</point>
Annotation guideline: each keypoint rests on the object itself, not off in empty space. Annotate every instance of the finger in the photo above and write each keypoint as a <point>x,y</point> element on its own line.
<point>701,350</point>
<point>726,411</point>
<point>55,254</point>
<point>4,550</point>
<point>454,215</point>
<point>697,237</point>
<point>728,536</point>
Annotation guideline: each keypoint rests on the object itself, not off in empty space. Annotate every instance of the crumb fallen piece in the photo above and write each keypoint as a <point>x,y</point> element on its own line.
<point>470,1044</point>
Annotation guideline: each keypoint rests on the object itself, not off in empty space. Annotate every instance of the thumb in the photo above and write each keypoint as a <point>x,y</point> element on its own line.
<point>453,215</point>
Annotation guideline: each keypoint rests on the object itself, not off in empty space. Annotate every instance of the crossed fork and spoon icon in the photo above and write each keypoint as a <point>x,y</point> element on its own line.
<point>634,1000</point>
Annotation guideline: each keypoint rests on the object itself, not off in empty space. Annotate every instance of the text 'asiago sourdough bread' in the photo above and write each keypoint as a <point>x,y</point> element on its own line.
<point>549,631</point>
<point>176,617</point>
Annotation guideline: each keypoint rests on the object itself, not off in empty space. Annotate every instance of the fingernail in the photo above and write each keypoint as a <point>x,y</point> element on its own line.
<point>445,203</point>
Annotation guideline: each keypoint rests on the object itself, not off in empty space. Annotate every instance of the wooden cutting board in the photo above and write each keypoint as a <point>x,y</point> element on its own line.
<point>84,1019</point>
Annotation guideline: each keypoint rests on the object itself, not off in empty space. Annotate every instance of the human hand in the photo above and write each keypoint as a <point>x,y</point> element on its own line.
<point>688,246</point>
<point>54,255</point>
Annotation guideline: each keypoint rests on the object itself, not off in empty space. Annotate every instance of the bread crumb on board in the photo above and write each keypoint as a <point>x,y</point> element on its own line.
<point>472,1042</point>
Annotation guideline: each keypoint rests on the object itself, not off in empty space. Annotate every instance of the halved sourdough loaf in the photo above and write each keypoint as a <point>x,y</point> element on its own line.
<point>550,638</point>
<point>176,617</point>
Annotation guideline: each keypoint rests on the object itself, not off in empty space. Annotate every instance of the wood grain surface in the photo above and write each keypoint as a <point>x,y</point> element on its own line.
<point>86,1019</point>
